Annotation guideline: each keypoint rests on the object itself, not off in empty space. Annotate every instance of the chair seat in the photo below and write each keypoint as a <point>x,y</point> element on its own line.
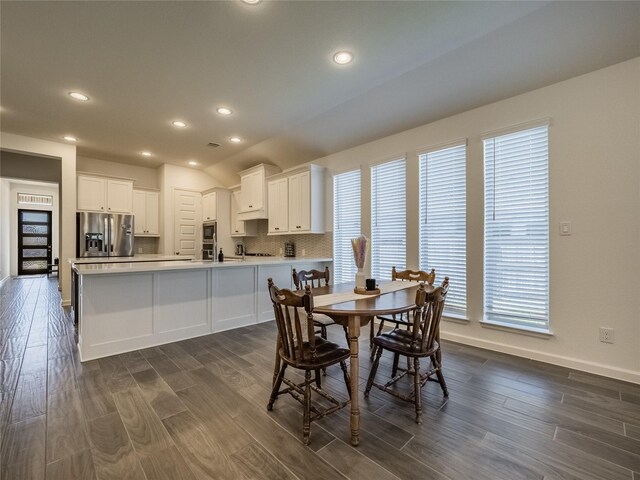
<point>397,320</point>
<point>318,318</point>
<point>322,319</point>
<point>399,341</point>
<point>327,354</point>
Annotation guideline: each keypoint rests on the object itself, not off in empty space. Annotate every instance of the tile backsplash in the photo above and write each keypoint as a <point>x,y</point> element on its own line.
<point>147,244</point>
<point>316,245</point>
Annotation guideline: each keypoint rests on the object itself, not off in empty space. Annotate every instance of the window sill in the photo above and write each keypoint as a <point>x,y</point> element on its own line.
<point>455,317</point>
<point>530,331</point>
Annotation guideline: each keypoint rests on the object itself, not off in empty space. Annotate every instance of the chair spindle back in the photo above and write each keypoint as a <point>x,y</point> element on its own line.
<point>287,306</point>
<point>313,278</point>
<point>427,322</point>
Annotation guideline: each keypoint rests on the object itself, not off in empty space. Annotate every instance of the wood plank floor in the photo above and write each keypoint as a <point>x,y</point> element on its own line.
<point>196,409</point>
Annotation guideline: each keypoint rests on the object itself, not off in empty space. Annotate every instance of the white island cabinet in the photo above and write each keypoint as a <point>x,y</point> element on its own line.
<point>129,306</point>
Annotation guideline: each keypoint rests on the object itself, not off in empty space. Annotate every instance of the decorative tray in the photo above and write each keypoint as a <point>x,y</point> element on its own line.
<point>364,291</point>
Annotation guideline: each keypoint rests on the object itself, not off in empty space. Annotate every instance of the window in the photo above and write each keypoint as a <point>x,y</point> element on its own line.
<point>443,221</point>
<point>388,218</point>
<point>516,229</point>
<point>34,199</point>
<point>346,224</point>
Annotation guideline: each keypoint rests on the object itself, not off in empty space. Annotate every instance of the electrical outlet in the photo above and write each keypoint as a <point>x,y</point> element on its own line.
<point>606,335</point>
<point>139,249</point>
<point>303,252</point>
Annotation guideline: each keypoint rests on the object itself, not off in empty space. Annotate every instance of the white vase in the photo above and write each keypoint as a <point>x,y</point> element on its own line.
<point>360,279</point>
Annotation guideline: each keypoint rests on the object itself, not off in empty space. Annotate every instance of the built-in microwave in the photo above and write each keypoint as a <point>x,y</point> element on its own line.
<point>209,232</point>
<point>209,241</point>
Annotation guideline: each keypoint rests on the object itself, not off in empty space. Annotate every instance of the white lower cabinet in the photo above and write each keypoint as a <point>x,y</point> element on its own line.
<point>281,275</point>
<point>233,297</point>
<point>173,302</point>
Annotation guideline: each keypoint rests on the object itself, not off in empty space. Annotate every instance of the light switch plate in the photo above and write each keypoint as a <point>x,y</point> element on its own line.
<point>565,228</point>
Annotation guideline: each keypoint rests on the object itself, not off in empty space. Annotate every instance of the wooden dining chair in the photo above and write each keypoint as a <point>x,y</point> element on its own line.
<point>421,341</point>
<point>400,319</point>
<point>314,278</point>
<point>303,352</point>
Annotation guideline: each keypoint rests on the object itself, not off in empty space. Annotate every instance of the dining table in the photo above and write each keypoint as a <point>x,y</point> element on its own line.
<point>353,311</point>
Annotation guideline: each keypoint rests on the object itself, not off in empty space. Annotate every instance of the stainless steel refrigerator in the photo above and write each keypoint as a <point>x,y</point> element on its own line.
<point>104,235</point>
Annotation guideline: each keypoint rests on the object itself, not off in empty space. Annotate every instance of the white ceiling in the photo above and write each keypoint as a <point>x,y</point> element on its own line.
<point>145,64</point>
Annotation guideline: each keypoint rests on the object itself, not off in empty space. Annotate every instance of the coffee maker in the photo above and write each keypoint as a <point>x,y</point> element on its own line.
<point>240,249</point>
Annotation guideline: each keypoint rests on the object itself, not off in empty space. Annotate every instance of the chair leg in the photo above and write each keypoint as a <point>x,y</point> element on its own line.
<point>416,389</point>
<point>380,327</point>
<point>343,366</point>
<point>317,378</point>
<point>394,369</point>
<point>323,334</point>
<point>346,335</point>
<point>276,386</point>
<point>372,374</point>
<point>371,332</point>
<point>438,369</point>
<point>306,420</point>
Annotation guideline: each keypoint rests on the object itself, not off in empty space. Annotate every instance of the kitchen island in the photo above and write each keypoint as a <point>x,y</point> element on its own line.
<point>127,306</point>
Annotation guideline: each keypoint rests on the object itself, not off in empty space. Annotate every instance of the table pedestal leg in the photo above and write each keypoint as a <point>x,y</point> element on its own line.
<point>354,371</point>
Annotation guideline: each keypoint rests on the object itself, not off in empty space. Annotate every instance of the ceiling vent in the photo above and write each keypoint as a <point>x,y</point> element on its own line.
<point>213,144</point>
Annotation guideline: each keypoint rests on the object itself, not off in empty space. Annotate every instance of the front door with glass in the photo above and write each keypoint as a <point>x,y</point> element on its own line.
<point>34,241</point>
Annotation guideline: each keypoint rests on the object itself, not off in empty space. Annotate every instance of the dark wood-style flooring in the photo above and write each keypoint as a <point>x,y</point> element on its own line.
<point>196,409</point>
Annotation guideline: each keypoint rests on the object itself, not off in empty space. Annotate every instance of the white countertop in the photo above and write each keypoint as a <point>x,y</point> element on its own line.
<point>151,266</point>
<point>142,257</point>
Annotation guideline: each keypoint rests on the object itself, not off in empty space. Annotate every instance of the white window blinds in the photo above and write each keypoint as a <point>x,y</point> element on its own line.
<point>388,218</point>
<point>443,221</point>
<point>346,224</point>
<point>516,228</point>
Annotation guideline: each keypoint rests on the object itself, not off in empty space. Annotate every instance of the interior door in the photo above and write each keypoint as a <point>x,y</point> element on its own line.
<point>34,241</point>
<point>186,221</point>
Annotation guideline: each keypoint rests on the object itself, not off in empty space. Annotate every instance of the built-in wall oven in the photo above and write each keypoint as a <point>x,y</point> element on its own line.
<point>209,241</point>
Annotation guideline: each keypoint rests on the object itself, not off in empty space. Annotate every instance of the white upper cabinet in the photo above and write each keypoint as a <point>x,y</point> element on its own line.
<point>92,193</point>
<point>252,188</point>
<point>300,209</point>
<point>300,202</point>
<point>102,194</point>
<point>240,228</point>
<point>253,192</point>
<point>209,207</point>
<point>119,196</point>
<point>278,197</point>
<point>146,209</point>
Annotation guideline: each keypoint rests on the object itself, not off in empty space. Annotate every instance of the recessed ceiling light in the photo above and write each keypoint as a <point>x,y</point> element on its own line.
<point>193,163</point>
<point>179,124</point>
<point>235,139</point>
<point>70,138</point>
<point>79,96</point>
<point>146,154</point>
<point>343,57</point>
<point>251,2</point>
<point>223,111</point>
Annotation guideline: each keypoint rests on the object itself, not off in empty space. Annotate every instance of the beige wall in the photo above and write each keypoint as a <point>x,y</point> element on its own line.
<point>594,171</point>
<point>143,177</point>
<point>5,228</point>
<point>67,155</point>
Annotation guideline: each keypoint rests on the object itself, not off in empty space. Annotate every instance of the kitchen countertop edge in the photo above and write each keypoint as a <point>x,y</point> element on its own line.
<point>151,266</point>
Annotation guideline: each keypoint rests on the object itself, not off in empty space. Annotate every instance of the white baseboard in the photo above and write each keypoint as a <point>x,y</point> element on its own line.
<point>569,362</point>
<point>2,280</point>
